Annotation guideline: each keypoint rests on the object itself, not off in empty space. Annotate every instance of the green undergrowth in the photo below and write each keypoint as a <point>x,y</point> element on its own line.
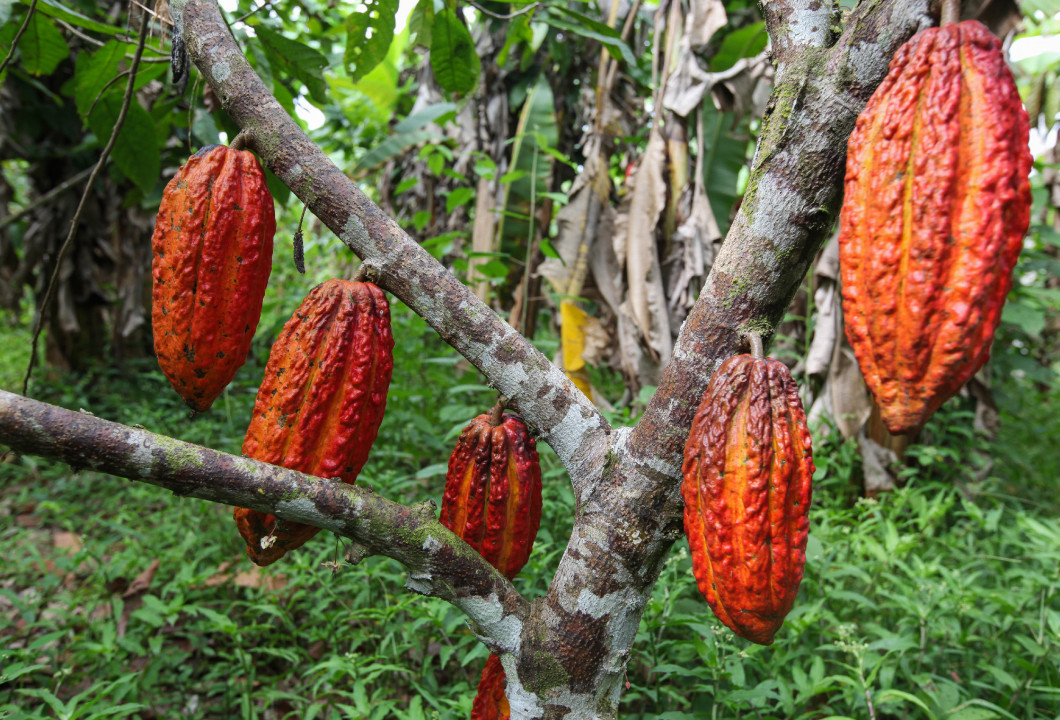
<point>118,599</point>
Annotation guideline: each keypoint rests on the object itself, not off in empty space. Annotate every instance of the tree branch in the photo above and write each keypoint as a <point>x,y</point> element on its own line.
<point>439,563</point>
<point>797,25</point>
<point>537,389</point>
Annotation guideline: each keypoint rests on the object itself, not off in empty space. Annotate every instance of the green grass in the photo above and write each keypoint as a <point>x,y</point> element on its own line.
<point>939,600</point>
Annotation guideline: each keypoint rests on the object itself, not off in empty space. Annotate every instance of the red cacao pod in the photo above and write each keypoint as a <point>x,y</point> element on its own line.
<point>490,702</point>
<point>937,202</point>
<point>493,491</point>
<point>320,405</point>
<point>747,470</point>
<point>212,255</point>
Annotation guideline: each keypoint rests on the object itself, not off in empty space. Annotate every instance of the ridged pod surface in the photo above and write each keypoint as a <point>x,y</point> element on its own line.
<point>936,204</point>
<point>490,702</point>
<point>211,260</point>
<point>492,494</point>
<point>320,405</point>
<point>747,470</point>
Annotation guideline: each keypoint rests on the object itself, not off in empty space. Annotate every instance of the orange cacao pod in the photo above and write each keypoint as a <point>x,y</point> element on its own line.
<point>320,405</point>
<point>212,255</point>
<point>493,491</point>
<point>747,470</point>
<point>936,205</point>
<point>490,702</point>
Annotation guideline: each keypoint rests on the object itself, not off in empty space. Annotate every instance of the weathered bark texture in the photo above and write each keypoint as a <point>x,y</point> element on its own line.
<point>565,656</point>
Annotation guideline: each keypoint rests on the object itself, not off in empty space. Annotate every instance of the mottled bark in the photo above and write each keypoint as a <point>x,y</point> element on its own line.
<point>439,564</point>
<point>570,655</point>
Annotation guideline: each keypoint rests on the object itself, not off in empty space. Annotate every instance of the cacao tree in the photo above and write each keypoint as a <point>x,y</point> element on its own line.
<point>564,655</point>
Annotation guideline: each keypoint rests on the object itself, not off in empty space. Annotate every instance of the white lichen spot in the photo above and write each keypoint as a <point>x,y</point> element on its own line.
<point>569,434</point>
<point>485,611</point>
<point>303,510</point>
<point>421,583</point>
<point>221,71</point>
<point>295,171</point>
<point>522,704</point>
<point>354,234</point>
<point>141,450</point>
<point>431,544</point>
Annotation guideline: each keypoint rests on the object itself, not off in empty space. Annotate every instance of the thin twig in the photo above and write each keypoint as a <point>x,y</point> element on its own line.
<point>46,197</point>
<point>53,282</point>
<point>256,10</point>
<point>18,36</point>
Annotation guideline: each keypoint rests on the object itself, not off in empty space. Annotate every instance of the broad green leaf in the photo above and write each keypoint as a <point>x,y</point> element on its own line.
<point>746,42</point>
<point>5,10</point>
<point>390,147</point>
<point>531,168</point>
<point>453,58</point>
<point>459,196</point>
<point>136,149</point>
<point>424,116</point>
<point>421,21</point>
<point>94,72</point>
<point>300,61</point>
<point>1029,319</point>
<point>55,9</point>
<point>368,36</point>
<point>518,31</point>
<point>587,27</point>
<point>723,159</point>
<point>42,46</point>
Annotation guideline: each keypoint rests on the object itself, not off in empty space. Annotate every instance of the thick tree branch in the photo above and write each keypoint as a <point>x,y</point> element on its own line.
<point>537,389</point>
<point>797,25</point>
<point>440,564</point>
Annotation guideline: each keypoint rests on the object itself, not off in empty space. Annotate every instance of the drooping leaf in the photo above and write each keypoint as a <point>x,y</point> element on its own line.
<point>531,167</point>
<point>55,9</point>
<point>136,148</point>
<point>94,72</point>
<point>453,59</point>
<point>563,18</point>
<point>391,147</point>
<point>421,20</point>
<point>743,43</point>
<point>724,157</point>
<point>368,36</point>
<point>300,61</point>
<point>42,46</point>
<point>424,116</point>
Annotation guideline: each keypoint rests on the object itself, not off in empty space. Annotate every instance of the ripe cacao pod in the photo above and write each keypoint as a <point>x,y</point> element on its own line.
<point>936,205</point>
<point>320,405</point>
<point>491,702</point>
<point>747,470</point>
<point>493,491</point>
<point>211,259</point>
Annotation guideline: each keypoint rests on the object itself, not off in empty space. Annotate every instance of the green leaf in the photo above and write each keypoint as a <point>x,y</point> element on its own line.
<point>518,31</point>
<point>368,36</point>
<point>56,10</point>
<point>724,158</point>
<point>5,10</point>
<point>136,149</point>
<point>300,61</point>
<point>425,116</point>
<point>43,47</point>
<point>453,58</point>
<point>1029,319</point>
<point>391,147</point>
<point>591,29</point>
<point>421,20</point>
<point>94,72</point>
<point>459,196</point>
<point>746,42</point>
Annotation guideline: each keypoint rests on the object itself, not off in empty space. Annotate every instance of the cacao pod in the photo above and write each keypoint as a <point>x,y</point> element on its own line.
<point>211,259</point>
<point>492,494</point>
<point>936,205</point>
<point>490,701</point>
<point>320,405</point>
<point>747,471</point>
